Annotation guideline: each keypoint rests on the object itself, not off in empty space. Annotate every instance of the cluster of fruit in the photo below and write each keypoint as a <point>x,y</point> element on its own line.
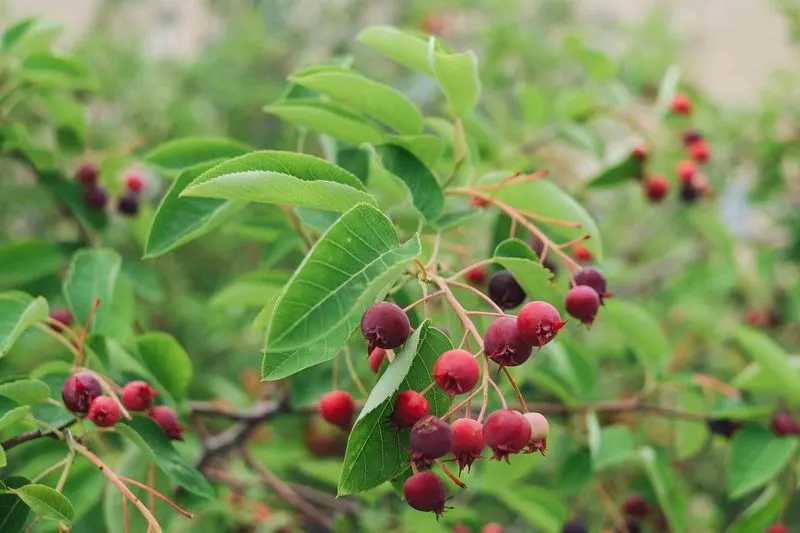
<point>96,197</point>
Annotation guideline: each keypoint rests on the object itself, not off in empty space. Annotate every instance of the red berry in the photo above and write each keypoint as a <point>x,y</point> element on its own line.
<point>505,291</point>
<point>477,275</point>
<point>503,343</point>
<point>456,371</point>
<point>337,408</point>
<point>777,528</point>
<point>681,105</point>
<point>582,253</point>
<point>476,201</point>
<point>699,151</point>
<point>409,407</point>
<point>492,527</point>
<point>784,424</point>
<point>87,175</point>
<point>583,302</point>
<point>593,278</point>
<point>431,438</point>
<point>538,323</point>
<point>424,491</point>
<point>376,358</point>
<point>104,411</point>
<point>79,390</point>
<point>506,432</point>
<point>656,188</point>
<point>95,197</point>
<point>461,528</point>
<point>636,506</point>
<point>539,429</point>
<point>61,315</point>
<point>691,136</point>
<point>385,325</point>
<point>134,183</point>
<point>128,204</point>
<point>168,420</point>
<point>685,169</point>
<point>640,152</point>
<point>468,443</point>
<point>138,396</point>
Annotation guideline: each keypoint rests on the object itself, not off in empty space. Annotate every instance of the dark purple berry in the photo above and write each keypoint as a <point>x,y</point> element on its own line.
<point>593,278</point>
<point>128,204</point>
<point>574,526</point>
<point>79,390</point>
<point>724,427</point>
<point>95,197</point>
<point>385,325</point>
<point>87,175</point>
<point>505,291</point>
<point>784,424</point>
<point>431,438</point>
<point>583,302</point>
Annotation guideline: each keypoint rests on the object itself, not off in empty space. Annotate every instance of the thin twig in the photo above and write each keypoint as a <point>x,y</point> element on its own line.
<point>516,389</point>
<point>353,374</point>
<point>459,309</point>
<point>298,227</point>
<point>422,300</point>
<point>476,292</point>
<point>467,268</point>
<point>155,494</point>
<point>36,434</point>
<point>499,393</point>
<point>85,332</point>
<point>449,474</point>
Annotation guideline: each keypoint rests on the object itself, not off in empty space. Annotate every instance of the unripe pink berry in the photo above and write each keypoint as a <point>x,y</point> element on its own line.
<point>104,411</point>
<point>456,371</point>
<point>681,105</point>
<point>539,429</point>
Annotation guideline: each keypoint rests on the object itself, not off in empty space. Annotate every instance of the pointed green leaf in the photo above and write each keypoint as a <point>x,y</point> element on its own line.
<point>18,312</point>
<point>772,359</point>
<point>14,415</point>
<point>671,494</point>
<point>180,154</point>
<point>167,361</point>
<point>283,178</point>
<point>281,364</point>
<point>428,148</point>
<point>755,379</point>
<point>340,277</point>
<point>425,189</point>
<point>25,391</point>
<point>404,48</point>
<point>26,261</point>
<point>523,263</point>
<point>756,456</point>
<point>641,331</point>
<point>47,502</point>
<point>328,118</point>
<point>13,511</point>
<point>762,513</point>
<point>50,70</point>
<point>92,275</point>
<point>624,171</point>
<point>363,94</point>
<point>457,75</point>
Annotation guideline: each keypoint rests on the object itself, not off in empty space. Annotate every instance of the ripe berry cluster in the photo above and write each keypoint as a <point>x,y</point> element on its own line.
<point>96,197</point>
<point>83,395</point>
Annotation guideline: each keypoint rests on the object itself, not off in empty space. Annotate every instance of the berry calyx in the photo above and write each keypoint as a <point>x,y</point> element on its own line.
<point>385,325</point>
<point>582,253</point>
<point>79,390</point>
<point>337,408</point>
<point>128,204</point>
<point>681,105</point>
<point>700,151</point>
<point>138,396</point>
<point>375,359</point>
<point>95,197</point>
<point>134,183</point>
<point>409,407</point>
<point>783,424</point>
<point>574,526</point>
<point>477,275</point>
<point>456,371</point>
<point>424,491</point>
<point>503,343</point>
<point>61,315</point>
<point>540,427</point>
<point>636,506</point>
<point>639,153</point>
<point>582,302</point>
<point>87,175</point>
<point>591,277</point>
<point>505,291</point>
<point>685,170</point>
<point>538,323</point>
<point>656,188</point>
<point>506,432</point>
<point>724,427</point>
<point>468,443</point>
<point>168,420</point>
<point>104,411</point>
<point>431,438</point>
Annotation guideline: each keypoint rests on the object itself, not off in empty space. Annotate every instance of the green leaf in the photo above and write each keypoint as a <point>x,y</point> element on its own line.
<point>690,436</point>
<point>523,263</point>
<point>622,172</point>
<point>167,361</point>
<point>151,439</point>
<point>404,48</point>
<point>609,445</point>
<point>667,89</point>
<point>25,391</point>
<point>376,452</point>
<point>641,331</point>
<point>244,293</point>
<point>540,508</point>
<point>340,277</point>
<point>282,178</point>
<point>428,148</point>
<point>13,511</point>
<point>534,105</point>
<point>762,513</point>
<point>14,415</point>
<point>179,220</point>
<point>425,189</point>
<point>757,456</point>
<point>18,311</point>
<point>27,261</point>
<point>772,359</point>
<point>47,502</point>
<point>672,496</point>
<point>458,78</point>
<point>547,199</point>
<point>181,154</point>
<point>363,94</point>
<point>328,118</point>
<point>47,69</point>
<point>92,275</point>
<point>753,378</point>
<point>281,364</point>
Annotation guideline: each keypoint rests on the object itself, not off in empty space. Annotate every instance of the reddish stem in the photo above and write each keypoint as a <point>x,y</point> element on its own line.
<point>450,474</point>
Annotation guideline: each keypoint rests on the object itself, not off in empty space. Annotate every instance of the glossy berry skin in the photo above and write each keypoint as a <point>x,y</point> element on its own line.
<point>699,151</point>
<point>685,170</point>
<point>468,443</point>
<point>431,438</point>
<point>61,315</point>
<point>540,427</point>
<point>424,491</point>
<point>95,197</point>
<point>639,153</point>
<point>503,343</point>
<point>783,424</point>
<point>79,390</point>
<point>138,396</point>
<point>376,357</point>
<point>337,408</point>
<point>538,323</point>
<point>583,302</point>
<point>574,526</point>
<point>777,528</point>
<point>636,506</point>
<point>681,105</point>
<point>128,205</point>
<point>656,188</point>
<point>456,371</point>
<point>409,407</point>
<point>691,136</point>
<point>87,175</point>
<point>591,277</point>
<point>582,253</point>
<point>168,420</point>
<point>134,183</point>
<point>104,411</point>
<point>385,325</point>
<point>724,427</point>
<point>506,432</point>
<point>477,275</point>
<point>505,291</point>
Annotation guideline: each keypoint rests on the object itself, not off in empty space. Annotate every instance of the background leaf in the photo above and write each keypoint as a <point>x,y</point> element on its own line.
<point>328,118</point>
<point>756,456</point>
<point>92,274</point>
<point>425,189</point>
<point>772,359</point>
<point>47,502</point>
<point>17,313</point>
<point>404,48</point>
<point>672,496</point>
<point>13,511</point>
<point>178,155</point>
<point>641,331</point>
<point>167,361</point>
